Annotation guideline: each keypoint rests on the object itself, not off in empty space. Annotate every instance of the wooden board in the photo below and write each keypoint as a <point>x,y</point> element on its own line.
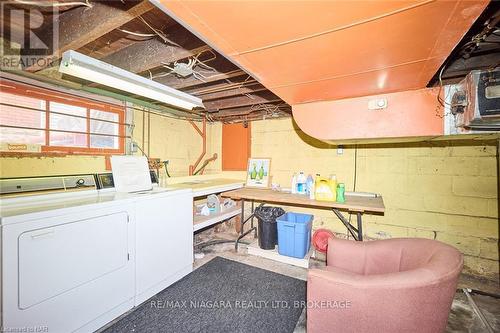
<point>352,203</point>
<point>208,186</point>
<point>200,222</point>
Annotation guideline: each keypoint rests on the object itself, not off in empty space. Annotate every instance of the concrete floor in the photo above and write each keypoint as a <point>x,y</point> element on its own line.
<point>462,316</point>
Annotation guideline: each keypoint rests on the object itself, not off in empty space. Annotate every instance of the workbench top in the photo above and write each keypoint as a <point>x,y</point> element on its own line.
<point>203,187</point>
<point>353,203</point>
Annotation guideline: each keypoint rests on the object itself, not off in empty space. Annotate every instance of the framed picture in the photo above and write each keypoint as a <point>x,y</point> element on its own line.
<point>258,172</point>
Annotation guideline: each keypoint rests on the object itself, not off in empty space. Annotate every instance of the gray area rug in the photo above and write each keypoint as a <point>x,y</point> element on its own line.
<point>221,296</point>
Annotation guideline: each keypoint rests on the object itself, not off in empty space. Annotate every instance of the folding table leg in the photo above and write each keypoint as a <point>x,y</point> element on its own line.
<point>360,227</point>
<point>253,211</point>
<point>355,233</point>
<point>243,221</point>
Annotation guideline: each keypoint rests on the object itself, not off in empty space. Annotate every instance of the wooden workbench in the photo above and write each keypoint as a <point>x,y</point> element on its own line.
<point>204,187</point>
<point>358,205</point>
<point>352,203</point>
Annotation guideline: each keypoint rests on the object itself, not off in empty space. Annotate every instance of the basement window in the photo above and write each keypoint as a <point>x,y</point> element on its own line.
<point>59,122</point>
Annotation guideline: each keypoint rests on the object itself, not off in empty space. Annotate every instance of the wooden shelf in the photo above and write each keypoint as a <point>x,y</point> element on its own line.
<point>200,221</point>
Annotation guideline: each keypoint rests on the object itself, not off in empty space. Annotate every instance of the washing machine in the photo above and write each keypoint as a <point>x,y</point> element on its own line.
<point>67,254</point>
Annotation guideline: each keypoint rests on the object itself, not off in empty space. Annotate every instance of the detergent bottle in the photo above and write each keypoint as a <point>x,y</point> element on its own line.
<point>325,189</point>
<point>301,183</point>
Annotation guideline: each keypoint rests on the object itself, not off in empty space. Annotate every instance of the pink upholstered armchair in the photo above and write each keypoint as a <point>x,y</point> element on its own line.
<point>395,285</point>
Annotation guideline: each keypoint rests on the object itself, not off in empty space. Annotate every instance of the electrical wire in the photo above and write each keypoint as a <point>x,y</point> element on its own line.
<point>136,33</point>
<point>199,246</point>
<point>165,163</point>
<point>189,66</point>
<point>142,151</point>
<point>52,4</point>
<point>440,77</point>
<point>158,32</point>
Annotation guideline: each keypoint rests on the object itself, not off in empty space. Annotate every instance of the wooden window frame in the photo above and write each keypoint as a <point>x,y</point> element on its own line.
<point>52,96</point>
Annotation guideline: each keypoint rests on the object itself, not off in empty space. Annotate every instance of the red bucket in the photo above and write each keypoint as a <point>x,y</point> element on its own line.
<point>320,239</point>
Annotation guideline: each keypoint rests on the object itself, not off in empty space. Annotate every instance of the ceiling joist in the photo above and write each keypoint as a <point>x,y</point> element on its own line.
<point>243,100</point>
<point>191,81</point>
<point>140,38</point>
<point>82,25</point>
<point>247,89</point>
<point>144,56</point>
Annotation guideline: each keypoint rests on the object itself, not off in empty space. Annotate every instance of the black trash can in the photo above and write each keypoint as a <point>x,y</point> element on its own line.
<point>268,230</point>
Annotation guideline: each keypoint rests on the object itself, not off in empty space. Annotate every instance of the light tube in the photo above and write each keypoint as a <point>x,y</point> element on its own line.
<point>88,68</point>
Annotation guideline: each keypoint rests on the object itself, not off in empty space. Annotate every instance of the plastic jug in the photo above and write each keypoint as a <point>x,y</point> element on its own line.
<point>301,183</point>
<point>325,189</point>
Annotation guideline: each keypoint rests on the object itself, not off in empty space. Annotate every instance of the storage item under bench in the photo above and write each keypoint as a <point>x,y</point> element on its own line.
<point>294,234</point>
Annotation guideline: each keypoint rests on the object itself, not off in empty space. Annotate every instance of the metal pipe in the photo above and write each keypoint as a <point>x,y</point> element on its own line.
<point>207,161</point>
<point>203,134</point>
<point>149,134</point>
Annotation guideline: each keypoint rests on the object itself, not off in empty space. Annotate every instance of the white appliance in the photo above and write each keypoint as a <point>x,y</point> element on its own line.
<point>74,257</point>
<point>67,258</point>
<point>88,68</point>
<point>164,227</point>
<point>164,240</point>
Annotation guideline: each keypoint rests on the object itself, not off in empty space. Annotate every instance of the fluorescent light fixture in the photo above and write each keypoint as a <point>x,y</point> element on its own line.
<point>88,68</point>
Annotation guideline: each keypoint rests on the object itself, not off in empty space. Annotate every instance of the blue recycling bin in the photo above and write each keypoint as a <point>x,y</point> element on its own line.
<point>294,234</point>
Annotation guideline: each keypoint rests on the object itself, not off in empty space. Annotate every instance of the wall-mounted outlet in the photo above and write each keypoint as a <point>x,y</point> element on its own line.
<point>377,104</point>
<point>340,150</point>
<point>133,147</point>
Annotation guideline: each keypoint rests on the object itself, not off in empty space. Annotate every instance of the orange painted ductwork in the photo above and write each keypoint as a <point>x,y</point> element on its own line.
<point>413,113</point>
<point>319,51</point>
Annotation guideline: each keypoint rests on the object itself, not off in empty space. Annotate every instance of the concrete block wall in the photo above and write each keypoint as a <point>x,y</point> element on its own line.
<point>177,141</point>
<point>50,166</point>
<point>441,190</point>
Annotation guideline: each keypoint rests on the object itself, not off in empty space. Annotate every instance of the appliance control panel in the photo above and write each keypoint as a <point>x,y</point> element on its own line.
<point>105,180</point>
<point>39,185</point>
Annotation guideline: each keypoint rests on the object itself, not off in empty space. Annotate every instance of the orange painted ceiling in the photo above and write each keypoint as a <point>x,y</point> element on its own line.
<point>325,50</point>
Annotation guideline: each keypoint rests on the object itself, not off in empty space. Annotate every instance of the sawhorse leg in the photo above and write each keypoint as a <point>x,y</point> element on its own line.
<point>357,233</point>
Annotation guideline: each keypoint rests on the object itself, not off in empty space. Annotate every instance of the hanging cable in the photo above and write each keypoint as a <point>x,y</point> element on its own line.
<point>136,33</point>
<point>158,32</point>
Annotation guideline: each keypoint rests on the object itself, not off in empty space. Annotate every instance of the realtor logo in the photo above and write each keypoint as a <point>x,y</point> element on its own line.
<point>29,35</point>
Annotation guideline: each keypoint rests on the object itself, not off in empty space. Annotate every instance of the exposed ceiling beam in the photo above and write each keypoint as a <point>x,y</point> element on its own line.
<point>146,55</point>
<point>246,110</point>
<point>220,86</point>
<point>82,25</point>
<point>245,100</point>
<point>247,89</point>
<point>180,83</point>
<point>258,115</point>
<point>462,67</point>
